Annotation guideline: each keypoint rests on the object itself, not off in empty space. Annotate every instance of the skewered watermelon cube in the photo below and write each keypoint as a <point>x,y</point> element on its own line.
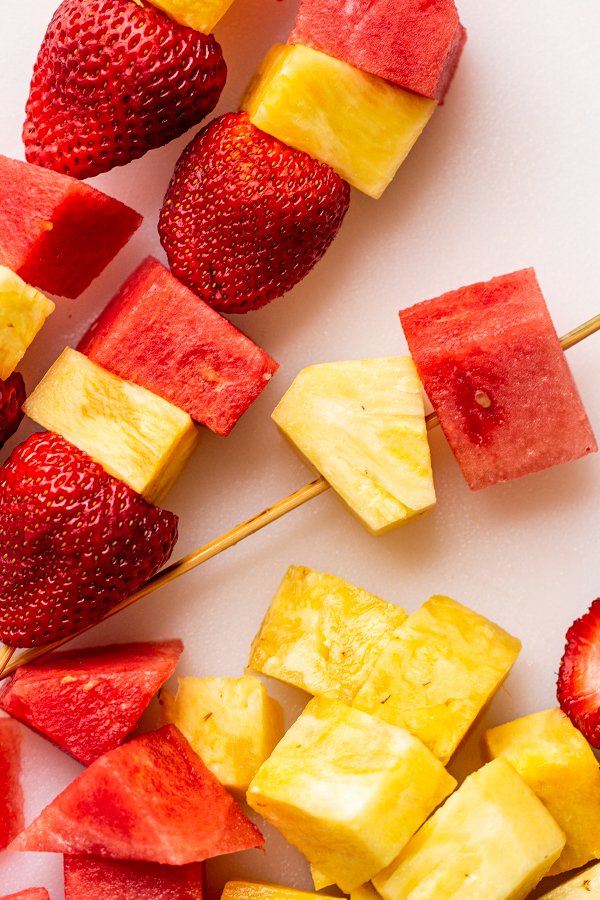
<point>91,878</point>
<point>151,799</point>
<point>56,232</point>
<point>583,886</point>
<point>23,311</point>
<point>201,15</point>
<point>250,890</point>
<point>362,425</point>
<point>135,435</point>
<point>360,125</point>
<point>157,334</point>
<point>492,839</point>
<point>11,793</point>
<point>559,766</point>
<point>413,44</point>
<point>30,894</point>
<point>492,366</point>
<point>322,634</point>
<point>87,701</point>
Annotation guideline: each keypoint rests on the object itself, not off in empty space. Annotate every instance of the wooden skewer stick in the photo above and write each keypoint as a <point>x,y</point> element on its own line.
<point>237,534</point>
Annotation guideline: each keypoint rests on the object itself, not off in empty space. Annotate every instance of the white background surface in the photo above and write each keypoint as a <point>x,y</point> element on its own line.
<point>505,176</point>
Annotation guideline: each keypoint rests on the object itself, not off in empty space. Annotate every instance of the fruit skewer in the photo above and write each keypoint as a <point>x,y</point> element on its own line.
<point>237,534</point>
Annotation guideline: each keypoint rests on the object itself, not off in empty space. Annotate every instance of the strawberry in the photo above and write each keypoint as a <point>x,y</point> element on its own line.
<point>114,79</point>
<point>75,541</point>
<point>12,397</point>
<point>578,688</point>
<point>246,217</point>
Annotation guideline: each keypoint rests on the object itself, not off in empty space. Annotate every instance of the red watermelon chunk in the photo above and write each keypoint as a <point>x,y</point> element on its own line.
<point>11,793</point>
<point>57,233</point>
<point>492,366</point>
<point>91,878</point>
<point>28,894</point>
<point>411,43</point>
<point>87,701</point>
<point>158,334</point>
<point>151,799</point>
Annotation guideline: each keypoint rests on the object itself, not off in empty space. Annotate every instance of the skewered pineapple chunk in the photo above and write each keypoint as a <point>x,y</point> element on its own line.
<point>23,311</point>
<point>249,890</point>
<point>201,15</point>
<point>583,886</point>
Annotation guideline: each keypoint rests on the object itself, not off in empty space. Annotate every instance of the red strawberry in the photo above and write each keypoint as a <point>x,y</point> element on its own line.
<point>246,217</point>
<point>114,79</point>
<point>578,688</point>
<point>12,397</point>
<point>75,541</point>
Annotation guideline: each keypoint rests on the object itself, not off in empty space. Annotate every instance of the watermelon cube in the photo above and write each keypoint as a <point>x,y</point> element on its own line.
<point>492,366</point>
<point>28,894</point>
<point>87,701</point>
<point>11,793</point>
<point>152,799</point>
<point>57,233</point>
<point>159,335</point>
<point>91,877</point>
<point>413,44</point>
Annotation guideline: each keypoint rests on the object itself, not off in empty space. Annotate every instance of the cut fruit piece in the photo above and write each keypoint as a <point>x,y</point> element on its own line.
<point>438,671</point>
<point>362,425</point>
<point>322,634</point>
<point>360,125</point>
<point>492,366</point>
<point>152,799</point>
<point>493,838</point>
<point>250,890</point>
<point>157,334</point>
<point>91,878</point>
<point>132,433</point>
<point>201,15</point>
<point>366,892</point>
<point>320,881</point>
<point>23,311</point>
<point>578,687</point>
<point>334,774</point>
<point>414,45</point>
<point>31,894</point>
<point>55,232</point>
<point>87,701</point>
<point>231,723</point>
<point>583,886</point>
<point>558,764</point>
<point>11,793</point>
<point>12,398</point>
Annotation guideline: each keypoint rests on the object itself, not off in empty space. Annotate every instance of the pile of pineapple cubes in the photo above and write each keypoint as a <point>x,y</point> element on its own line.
<point>358,783</point>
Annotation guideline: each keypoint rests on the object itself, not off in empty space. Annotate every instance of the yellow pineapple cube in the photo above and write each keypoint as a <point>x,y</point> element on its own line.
<point>202,15</point>
<point>558,764</point>
<point>320,881</point>
<point>322,634</point>
<point>249,890</point>
<point>135,435</point>
<point>492,840</point>
<point>231,723</point>
<point>362,425</point>
<point>348,790</point>
<point>583,886</point>
<point>440,668</point>
<point>359,124</point>
<point>365,892</point>
<point>23,311</point>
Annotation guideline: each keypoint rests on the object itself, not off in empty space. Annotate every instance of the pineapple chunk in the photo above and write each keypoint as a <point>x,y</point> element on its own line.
<point>136,436</point>
<point>231,723</point>
<point>249,890</point>
<point>583,886</point>
<point>23,311</point>
<point>365,892</point>
<point>362,424</point>
<point>359,124</point>
<point>201,15</point>
<point>437,672</point>
<point>492,839</point>
<point>348,790</point>
<point>322,634</point>
<point>558,764</point>
<point>320,881</point>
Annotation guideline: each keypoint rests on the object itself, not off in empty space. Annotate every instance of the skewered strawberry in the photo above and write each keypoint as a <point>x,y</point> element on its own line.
<point>75,541</point>
<point>114,79</point>
<point>277,209</point>
<point>12,397</point>
<point>578,688</point>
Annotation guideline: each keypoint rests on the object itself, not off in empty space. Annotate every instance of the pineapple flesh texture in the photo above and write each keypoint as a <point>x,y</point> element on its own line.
<point>322,634</point>
<point>359,124</point>
<point>438,671</point>
<point>23,311</point>
<point>132,433</point>
<point>232,724</point>
<point>492,839</point>
<point>348,790</point>
<point>249,890</point>
<point>362,425</point>
<point>365,892</point>
<point>559,766</point>
<point>201,15</point>
<point>583,886</point>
